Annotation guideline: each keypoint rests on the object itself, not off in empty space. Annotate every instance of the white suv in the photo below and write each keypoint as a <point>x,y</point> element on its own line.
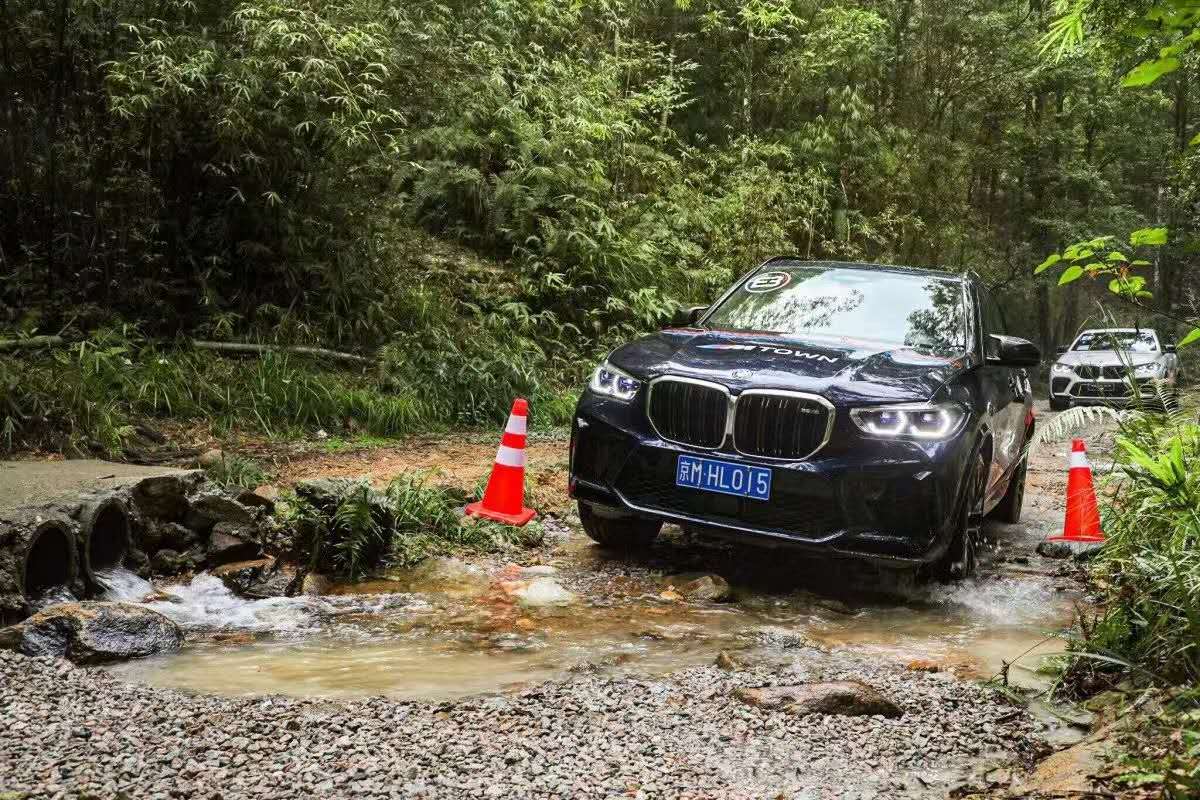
<point>1111,366</point>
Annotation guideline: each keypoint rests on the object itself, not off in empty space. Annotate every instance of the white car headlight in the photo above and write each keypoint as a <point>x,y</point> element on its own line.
<point>911,420</point>
<point>1154,369</point>
<point>610,381</point>
<point>1060,369</point>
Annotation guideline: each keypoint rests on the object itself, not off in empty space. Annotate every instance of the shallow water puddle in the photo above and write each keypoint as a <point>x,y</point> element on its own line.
<point>441,632</point>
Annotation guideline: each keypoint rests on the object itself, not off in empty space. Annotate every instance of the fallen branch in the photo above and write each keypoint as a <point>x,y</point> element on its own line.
<point>30,343</point>
<point>241,347</point>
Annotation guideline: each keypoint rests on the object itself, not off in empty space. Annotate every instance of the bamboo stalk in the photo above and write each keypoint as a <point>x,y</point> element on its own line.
<point>30,343</point>
<point>243,347</point>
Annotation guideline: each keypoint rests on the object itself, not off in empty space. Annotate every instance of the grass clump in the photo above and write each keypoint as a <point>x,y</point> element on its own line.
<point>349,529</point>
<point>235,470</point>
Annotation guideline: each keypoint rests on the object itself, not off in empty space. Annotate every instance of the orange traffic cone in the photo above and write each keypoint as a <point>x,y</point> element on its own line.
<point>503,500</point>
<point>1083,516</point>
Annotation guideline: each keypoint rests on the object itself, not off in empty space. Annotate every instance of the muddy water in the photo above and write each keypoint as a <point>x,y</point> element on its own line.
<point>458,630</point>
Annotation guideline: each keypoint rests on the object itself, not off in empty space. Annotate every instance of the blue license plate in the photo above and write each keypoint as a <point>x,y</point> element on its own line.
<point>725,477</point>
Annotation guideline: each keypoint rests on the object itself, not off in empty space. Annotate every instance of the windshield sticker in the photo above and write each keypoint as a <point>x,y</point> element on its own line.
<point>779,351</point>
<point>768,282</point>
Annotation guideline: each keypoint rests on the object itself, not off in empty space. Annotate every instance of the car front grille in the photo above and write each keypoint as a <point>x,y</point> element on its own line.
<point>802,505</point>
<point>689,413</point>
<point>780,425</point>
<point>1091,372</point>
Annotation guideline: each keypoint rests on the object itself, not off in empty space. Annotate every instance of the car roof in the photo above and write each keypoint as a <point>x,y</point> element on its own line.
<point>797,261</point>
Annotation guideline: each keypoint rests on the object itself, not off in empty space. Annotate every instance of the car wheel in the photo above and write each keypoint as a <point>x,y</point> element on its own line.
<point>623,533</point>
<point>1059,404</point>
<point>1009,509</point>
<point>961,560</point>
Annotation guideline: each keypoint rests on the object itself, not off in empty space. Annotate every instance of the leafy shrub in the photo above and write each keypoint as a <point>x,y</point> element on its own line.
<point>348,528</point>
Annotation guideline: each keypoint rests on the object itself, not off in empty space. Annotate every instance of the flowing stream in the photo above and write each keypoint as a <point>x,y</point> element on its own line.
<point>457,630</point>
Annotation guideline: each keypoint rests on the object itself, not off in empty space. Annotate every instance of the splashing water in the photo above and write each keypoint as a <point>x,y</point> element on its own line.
<point>207,604</point>
<point>121,585</point>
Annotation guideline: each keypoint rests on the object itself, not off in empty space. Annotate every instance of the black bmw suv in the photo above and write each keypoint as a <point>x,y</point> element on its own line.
<point>853,409</point>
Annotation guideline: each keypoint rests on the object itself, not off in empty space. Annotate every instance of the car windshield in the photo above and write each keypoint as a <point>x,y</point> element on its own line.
<point>918,311</point>
<point>1131,341</point>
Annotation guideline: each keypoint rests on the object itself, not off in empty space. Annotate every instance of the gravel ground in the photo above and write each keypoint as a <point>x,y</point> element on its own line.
<point>71,732</point>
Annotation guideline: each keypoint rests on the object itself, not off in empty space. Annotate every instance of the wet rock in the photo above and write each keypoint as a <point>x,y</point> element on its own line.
<point>213,507</point>
<point>255,498</point>
<point>1054,550</point>
<point>840,698</point>
<point>923,665</point>
<point>93,633</point>
<point>727,661</point>
<point>172,535</point>
<point>255,580</point>
<point>542,592</point>
<point>702,588</point>
<point>165,496</point>
<point>231,542</point>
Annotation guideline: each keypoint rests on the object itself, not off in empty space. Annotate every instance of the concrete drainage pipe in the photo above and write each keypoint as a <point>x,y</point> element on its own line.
<point>49,562</point>
<point>103,539</point>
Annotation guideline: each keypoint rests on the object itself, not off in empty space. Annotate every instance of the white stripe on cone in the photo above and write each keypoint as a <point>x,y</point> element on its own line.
<point>1079,459</point>
<point>510,456</point>
<point>516,424</point>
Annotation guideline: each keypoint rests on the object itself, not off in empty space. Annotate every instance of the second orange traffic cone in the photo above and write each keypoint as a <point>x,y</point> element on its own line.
<point>503,501</point>
<point>1083,515</point>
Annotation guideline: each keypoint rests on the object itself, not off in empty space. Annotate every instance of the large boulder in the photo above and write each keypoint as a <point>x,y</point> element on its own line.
<point>841,698</point>
<point>231,542</point>
<point>93,633</point>
<point>206,510</point>
<point>165,496</point>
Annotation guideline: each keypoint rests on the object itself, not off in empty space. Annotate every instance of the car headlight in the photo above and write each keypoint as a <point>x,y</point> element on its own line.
<point>1060,369</point>
<point>610,381</point>
<point>911,420</point>
<point>1154,369</point>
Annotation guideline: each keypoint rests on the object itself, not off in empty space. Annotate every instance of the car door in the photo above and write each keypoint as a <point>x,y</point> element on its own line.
<point>1005,391</point>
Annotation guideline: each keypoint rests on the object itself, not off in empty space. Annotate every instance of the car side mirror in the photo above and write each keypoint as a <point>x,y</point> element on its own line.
<point>1062,348</point>
<point>1009,351</point>
<point>688,316</point>
<point>1169,348</point>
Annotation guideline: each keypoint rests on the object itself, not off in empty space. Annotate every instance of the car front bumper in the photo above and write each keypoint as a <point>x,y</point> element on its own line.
<point>1100,391</point>
<point>888,501</point>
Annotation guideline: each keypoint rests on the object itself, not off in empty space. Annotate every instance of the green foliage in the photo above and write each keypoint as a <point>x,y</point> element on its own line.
<point>235,470</point>
<point>359,529</point>
<point>1150,565</point>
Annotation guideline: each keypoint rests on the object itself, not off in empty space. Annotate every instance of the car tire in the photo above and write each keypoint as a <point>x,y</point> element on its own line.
<point>1009,509</point>
<point>1059,404</point>
<point>961,558</point>
<point>623,533</point>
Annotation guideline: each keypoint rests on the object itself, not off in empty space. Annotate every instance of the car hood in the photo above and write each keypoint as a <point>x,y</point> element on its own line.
<point>842,369</point>
<point>1106,358</point>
